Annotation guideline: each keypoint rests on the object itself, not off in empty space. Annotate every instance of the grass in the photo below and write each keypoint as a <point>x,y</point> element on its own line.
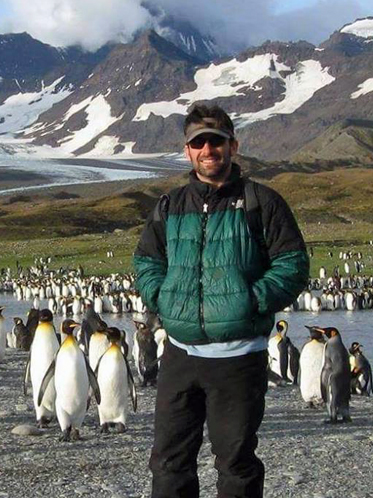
<point>334,210</point>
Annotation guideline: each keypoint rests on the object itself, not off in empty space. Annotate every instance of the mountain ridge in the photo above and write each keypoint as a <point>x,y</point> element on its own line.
<point>132,98</point>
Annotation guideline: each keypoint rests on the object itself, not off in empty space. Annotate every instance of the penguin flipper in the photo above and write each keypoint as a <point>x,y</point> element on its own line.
<point>47,378</point>
<point>26,376</point>
<point>93,381</point>
<point>284,361</point>
<point>324,381</point>
<point>370,386</point>
<point>131,384</point>
<point>294,362</point>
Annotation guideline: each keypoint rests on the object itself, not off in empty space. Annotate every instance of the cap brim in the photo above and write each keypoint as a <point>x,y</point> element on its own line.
<point>213,131</point>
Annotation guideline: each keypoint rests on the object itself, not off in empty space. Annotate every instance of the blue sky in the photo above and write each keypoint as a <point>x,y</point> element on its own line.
<point>234,24</point>
<point>288,5</point>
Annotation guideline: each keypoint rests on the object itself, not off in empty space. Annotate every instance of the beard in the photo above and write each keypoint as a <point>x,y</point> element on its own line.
<point>218,168</point>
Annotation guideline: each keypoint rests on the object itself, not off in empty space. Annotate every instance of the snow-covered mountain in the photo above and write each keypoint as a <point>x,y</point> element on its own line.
<point>132,98</point>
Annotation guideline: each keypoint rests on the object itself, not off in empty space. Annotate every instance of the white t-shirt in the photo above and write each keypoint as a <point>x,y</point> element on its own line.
<point>224,349</point>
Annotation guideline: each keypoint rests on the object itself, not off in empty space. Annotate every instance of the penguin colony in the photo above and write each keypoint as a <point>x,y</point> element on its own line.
<point>326,372</point>
<point>67,291</point>
<point>66,367</point>
<point>60,371</point>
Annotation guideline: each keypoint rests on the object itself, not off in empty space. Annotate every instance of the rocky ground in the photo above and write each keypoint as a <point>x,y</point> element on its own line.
<point>303,457</point>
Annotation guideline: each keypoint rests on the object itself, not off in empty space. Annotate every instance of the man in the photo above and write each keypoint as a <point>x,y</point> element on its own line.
<point>216,290</point>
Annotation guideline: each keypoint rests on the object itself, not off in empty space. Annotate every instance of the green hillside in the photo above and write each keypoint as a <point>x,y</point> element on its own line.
<point>334,210</point>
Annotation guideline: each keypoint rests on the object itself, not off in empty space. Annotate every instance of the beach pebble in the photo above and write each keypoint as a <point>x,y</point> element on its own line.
<point>82,490</point>
<point>22,408</point>
<point>26,430</point>
<point>298,478</point>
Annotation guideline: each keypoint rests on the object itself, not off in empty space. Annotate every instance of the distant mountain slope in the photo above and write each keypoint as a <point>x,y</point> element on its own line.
<point>350,140</point>
<point>132,98</point>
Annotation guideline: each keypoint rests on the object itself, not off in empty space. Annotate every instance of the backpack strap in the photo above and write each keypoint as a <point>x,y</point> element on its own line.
<point>254,213</point>
<point>161,209</point>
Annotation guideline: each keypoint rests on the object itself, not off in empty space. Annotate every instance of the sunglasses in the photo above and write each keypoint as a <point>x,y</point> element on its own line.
<point>200,141</point>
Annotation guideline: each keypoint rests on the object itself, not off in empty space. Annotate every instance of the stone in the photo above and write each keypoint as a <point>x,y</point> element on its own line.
<point>22,408</point>
<point>26,430</point>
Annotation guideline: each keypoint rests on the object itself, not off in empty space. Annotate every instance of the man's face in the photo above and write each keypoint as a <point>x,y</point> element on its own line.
<point>211,156</point>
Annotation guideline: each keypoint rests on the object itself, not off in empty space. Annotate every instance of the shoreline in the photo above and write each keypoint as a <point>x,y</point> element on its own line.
<point>303,457</point>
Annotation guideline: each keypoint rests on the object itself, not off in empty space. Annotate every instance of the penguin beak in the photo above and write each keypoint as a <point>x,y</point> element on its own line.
<point>73,325</point>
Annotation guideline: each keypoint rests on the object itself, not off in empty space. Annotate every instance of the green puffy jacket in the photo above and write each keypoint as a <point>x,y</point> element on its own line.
<point>199,266</point>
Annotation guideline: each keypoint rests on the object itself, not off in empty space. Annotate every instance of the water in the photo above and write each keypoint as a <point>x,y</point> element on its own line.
<point>353,325</point>
<point>43,173</point>
<point>14,308</point>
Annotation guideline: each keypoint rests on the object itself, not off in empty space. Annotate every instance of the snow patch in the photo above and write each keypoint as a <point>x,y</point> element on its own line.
<point>231,77</point>
<point>105,147</point>
<point>222,80</point>
<point>300,86</point>
<point>76,108</point>
<point>21,110</point>
<point>98,118</point>
<point>364,88</point>
<point>362,28</point>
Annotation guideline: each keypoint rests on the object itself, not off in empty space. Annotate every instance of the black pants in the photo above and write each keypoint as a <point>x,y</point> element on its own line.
<point>229,394</point>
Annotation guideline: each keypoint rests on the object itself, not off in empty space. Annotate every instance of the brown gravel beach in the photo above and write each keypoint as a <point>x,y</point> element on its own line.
<point>304,458</point>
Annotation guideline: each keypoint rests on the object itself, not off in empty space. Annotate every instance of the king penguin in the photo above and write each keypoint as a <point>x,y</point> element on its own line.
<point>72,378</point>
<point>361,371</point>
<point>311,362</point>
<point>145,355</point>
<point>43,349</point>
<point>21,336</point>
<point>335,376</point>
<point>283,355</point>
<point>115,380</point>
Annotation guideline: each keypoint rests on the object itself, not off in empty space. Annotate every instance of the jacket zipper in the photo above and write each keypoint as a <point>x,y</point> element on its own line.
<point>204,223</point>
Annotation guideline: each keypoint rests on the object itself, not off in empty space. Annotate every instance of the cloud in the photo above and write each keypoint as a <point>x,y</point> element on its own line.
<point>241,23</point>
<point>235,24</point>
<point>85,22</point>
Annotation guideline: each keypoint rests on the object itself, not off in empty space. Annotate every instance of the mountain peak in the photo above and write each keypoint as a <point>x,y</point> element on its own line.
<point>362,28</point>
<point>149,39</point>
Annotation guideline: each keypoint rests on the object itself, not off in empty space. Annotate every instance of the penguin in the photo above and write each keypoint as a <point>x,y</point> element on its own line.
<point>115,379</point>
<point>316,304</point>
<point>43,349</point>
<point>11,338</point>
<point>91,323</point>
<point>72,378</point>
<point>2,335</point>
<point>160,337</point>
<point>21,335</point>
<point>98,345</point>
<point>145,355</point>
<point>274,380</point>
<point>98,342</point>
<point>335,376</point>
<point>310,363</point>
<point>361,371</point>
<point>283,355</point>
<point>32,322</point>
